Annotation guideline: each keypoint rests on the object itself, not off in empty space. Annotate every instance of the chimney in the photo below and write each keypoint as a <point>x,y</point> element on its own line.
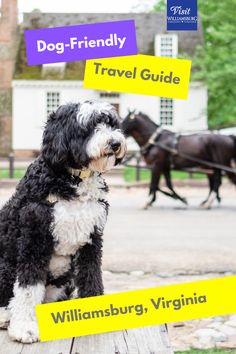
<point>8,43</point>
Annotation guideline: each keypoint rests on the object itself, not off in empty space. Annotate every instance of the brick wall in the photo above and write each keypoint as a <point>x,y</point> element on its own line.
<point>8,44</point>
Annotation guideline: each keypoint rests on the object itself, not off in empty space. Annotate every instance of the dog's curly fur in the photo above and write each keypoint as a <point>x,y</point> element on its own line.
<point>52,251</point>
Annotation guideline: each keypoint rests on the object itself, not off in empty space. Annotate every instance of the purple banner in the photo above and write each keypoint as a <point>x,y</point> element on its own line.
<point>71,43</point>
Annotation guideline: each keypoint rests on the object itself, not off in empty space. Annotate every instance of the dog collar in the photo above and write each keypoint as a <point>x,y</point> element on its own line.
<point>83,173</point>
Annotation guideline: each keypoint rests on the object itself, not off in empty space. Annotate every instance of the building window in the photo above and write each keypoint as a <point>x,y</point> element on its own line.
<point>53,101</point>
<point>112,97</point>
<point>109,94</point>
<point>166,111</point>
<point>166,45</point>
<point>117,107</point>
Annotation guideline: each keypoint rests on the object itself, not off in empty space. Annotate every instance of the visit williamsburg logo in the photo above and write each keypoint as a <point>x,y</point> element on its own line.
<point>182,15</point>
<point>160,303</point>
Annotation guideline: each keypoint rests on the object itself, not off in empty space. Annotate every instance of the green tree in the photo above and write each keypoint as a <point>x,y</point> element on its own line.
<point>160,6</point>
<point>215,62</point>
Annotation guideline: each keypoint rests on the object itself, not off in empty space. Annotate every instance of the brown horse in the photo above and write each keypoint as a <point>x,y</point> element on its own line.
<point>164,150</point>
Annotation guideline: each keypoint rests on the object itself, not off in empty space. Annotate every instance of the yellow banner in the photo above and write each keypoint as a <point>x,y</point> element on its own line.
<point>142,74</point>
<point>137,308</point>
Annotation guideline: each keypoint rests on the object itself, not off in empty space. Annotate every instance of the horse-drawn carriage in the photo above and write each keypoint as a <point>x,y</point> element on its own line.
<point>164,150</point>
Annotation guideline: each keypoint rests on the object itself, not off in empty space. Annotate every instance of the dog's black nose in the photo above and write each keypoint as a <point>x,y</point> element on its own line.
<point>115,145</point>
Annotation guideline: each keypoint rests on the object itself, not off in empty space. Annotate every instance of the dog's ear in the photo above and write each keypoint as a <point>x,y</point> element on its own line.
<point>54,147</point>
<point>63,139</point>
<point>59,150</point>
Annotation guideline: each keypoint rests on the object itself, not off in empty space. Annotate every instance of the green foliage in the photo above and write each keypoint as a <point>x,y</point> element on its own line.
<point>215,62</point>
<point>208,351</point>
<point>18,173</point>
<point>145,175</point>
<point>219,64</point>
<point>160,6</point>
<point>130,174</point>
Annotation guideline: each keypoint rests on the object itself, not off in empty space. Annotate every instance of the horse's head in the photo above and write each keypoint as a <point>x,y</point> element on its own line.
<point>139,126</point>
<point>132,122</point>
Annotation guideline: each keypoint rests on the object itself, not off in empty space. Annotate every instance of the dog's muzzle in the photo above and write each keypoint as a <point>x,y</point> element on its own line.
<point>115,146</point>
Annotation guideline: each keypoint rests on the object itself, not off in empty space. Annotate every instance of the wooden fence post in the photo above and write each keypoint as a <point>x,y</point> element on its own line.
<point>11,165</point>
<point>138,169</point>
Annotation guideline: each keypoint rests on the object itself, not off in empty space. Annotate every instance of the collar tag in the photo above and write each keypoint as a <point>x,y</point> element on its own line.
<point>52,198</point>
<point>84,173</point>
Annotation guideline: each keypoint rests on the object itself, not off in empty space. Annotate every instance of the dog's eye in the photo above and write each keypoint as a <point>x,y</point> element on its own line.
<point>107,120</point>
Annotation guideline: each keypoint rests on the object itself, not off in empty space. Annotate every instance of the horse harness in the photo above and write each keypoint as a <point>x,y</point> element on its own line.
<point>173,150</point>
<point>153,141</point>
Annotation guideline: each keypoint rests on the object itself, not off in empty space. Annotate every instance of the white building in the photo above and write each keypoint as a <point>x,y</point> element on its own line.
<point>39,90</point>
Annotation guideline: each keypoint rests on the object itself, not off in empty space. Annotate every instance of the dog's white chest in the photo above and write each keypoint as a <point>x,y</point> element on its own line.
<point>74,221</point>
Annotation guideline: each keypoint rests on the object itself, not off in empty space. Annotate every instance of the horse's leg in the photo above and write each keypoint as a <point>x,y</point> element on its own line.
<point>170,186</point>
<point>218,197</point>
<point>215,191</point>
<point>211,184</point>
<point>232,177</point>
<point>155,179</point>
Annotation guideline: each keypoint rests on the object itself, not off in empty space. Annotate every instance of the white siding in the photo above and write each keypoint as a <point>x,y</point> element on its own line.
<point>29,108</point>
<point>30,111</point>
<point>28,117</point>
<point>146,104</point>
<point>191,114</point>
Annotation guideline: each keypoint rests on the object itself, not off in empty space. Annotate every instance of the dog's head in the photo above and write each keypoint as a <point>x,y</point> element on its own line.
<point>85,135</point>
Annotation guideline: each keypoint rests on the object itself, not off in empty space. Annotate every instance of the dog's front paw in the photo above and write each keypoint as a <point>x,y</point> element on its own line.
<point>25,332</point>
<point>4,317</point>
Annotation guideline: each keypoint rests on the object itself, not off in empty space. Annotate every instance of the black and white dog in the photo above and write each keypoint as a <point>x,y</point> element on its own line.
<point>51,229</point>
